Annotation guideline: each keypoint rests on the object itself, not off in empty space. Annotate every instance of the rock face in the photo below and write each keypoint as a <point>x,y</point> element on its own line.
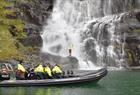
<point>138,16</point>
<point>34,14</point>
<point>32,40</point>
<point>21,23</point>
<point>68,62</point>
<point>117,37</point>
<point>132,41</point>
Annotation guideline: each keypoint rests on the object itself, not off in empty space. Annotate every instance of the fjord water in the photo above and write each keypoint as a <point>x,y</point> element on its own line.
<point>115,83</point>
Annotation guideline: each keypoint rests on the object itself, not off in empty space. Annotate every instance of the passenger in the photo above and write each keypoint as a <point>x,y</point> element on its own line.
<point>31,75</point>
<point>39,71</point>
<point>20,73</point>
<point>48,72</point>
<point>57,72</point>
<point>4,70</point>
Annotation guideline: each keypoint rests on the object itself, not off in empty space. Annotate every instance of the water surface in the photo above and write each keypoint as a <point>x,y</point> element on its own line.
<point>115,83</point>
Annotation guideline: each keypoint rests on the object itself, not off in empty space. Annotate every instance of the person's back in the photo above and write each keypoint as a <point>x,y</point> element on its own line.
<point>56,69</point>
<point>20,67</point>
<point>39,70</point>
<point>20,73</point>
<point>57,72</point>
<point>48,72</point>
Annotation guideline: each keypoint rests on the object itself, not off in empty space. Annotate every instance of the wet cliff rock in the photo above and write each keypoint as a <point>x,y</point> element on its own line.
<point>21,23</point>
<point>132,41</point>
<point>68,62</point>
<point>114,41</point>
<point>34,15</point>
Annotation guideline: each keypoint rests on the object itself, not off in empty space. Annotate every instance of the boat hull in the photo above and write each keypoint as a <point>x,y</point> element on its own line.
<point>92,76</point>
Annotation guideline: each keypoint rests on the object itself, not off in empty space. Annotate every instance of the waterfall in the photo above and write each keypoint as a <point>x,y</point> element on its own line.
<point>90,28</point>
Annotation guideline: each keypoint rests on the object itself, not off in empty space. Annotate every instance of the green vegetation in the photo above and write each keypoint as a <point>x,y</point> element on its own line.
<point>8,48</point>
<point>22,0</point>
<point>136,30</point>
<point>130,55</point>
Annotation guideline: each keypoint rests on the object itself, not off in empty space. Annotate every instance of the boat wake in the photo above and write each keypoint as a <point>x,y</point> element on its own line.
<point>88,65</point>
<point>115,68</point>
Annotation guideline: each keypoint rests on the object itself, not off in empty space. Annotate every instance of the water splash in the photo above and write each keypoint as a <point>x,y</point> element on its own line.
<point>59,34</point>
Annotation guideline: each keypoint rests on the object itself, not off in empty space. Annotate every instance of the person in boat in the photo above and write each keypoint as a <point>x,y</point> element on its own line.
<point>39,71</point>
<point>20,73</point>
<point>48,72</point>
<point>31,74</point>
<point>57,72</point>
<point>3,69</point>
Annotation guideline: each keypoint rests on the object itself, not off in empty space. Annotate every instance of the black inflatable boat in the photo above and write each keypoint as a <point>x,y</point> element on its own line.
<point>78,76</point>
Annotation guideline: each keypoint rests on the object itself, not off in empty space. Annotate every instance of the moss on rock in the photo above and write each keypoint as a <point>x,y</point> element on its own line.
<point>8,48</point>
<point>136,30</point>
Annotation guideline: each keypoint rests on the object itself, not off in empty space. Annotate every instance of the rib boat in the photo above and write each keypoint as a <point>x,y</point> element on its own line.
<point>77,76</point>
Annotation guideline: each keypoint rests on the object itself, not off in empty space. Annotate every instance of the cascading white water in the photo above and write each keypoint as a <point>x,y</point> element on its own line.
<point>63,29</point>
<point>76,24</point>
<point>100,37</point>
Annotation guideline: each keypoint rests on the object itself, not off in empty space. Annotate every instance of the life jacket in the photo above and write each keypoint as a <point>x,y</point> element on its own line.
<point>48,71</point>
<point>39,69</point>
<point>56,69</point>
<point>21,68</point>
